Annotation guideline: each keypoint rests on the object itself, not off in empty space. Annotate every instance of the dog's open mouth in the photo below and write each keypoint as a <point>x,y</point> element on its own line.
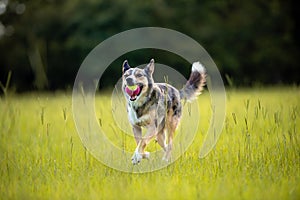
<point>133,91</point>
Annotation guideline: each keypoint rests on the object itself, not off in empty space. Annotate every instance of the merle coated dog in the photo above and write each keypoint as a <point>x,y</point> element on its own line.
<point>156,106</point>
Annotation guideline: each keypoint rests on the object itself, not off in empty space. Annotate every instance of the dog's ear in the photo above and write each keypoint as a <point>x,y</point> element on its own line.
<point>125,66</point>
<point>149,69</point>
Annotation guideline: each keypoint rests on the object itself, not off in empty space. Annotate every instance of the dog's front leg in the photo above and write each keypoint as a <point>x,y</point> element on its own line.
<point>139,152</point>
<point>137,132</point>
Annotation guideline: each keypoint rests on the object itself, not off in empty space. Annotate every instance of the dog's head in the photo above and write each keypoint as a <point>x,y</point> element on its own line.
<point>137,82</point>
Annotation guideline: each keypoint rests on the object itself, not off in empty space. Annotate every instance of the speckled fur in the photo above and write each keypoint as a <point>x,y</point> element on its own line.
<point>158,106</point>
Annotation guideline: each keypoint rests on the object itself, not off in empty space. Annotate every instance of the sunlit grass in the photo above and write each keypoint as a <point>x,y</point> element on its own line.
<point>257,156</point>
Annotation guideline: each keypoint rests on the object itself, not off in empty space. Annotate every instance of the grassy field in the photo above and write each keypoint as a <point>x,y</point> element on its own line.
<point>257,156</point>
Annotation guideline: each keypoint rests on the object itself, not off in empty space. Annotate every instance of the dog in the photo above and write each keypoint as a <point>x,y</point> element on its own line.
<point>156,106</point>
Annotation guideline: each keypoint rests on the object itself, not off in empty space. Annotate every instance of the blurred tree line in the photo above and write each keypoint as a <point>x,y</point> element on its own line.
<point>43,42</point>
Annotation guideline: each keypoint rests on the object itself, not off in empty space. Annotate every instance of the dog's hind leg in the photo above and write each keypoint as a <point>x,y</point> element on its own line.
<point>151,132</point>
<point>171,128</point>
<point>161,139</point>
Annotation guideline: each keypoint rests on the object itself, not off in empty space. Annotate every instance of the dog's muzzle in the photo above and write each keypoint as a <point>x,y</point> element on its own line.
<point>129,82</point>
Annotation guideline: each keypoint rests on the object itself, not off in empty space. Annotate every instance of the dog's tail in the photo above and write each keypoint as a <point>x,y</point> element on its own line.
<point>195,84</point>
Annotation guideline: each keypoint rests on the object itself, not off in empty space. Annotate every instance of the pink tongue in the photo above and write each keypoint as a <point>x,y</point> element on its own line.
<point>132,93</point>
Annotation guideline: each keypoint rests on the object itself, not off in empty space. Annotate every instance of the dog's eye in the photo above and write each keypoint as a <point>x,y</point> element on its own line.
<point>139,75</point>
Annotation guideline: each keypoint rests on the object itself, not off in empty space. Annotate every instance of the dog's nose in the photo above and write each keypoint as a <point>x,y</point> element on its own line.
<point>129,82</point>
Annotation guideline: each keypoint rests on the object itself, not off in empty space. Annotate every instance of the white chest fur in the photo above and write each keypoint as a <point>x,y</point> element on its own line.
<point>134,119</point>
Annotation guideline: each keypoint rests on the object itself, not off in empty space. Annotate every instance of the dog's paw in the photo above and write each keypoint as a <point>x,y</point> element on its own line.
<point>146,155</point>
<point>167,157</point>
<point>136,158</point>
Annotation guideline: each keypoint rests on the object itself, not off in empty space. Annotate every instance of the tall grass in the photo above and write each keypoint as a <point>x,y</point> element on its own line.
<point>257,156</point>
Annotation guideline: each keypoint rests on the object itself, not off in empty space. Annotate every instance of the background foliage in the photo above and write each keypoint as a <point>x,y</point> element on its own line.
<point>43,42</point>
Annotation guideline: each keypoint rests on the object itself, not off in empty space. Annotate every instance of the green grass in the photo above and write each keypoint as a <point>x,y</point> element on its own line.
<point>257,156</point>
